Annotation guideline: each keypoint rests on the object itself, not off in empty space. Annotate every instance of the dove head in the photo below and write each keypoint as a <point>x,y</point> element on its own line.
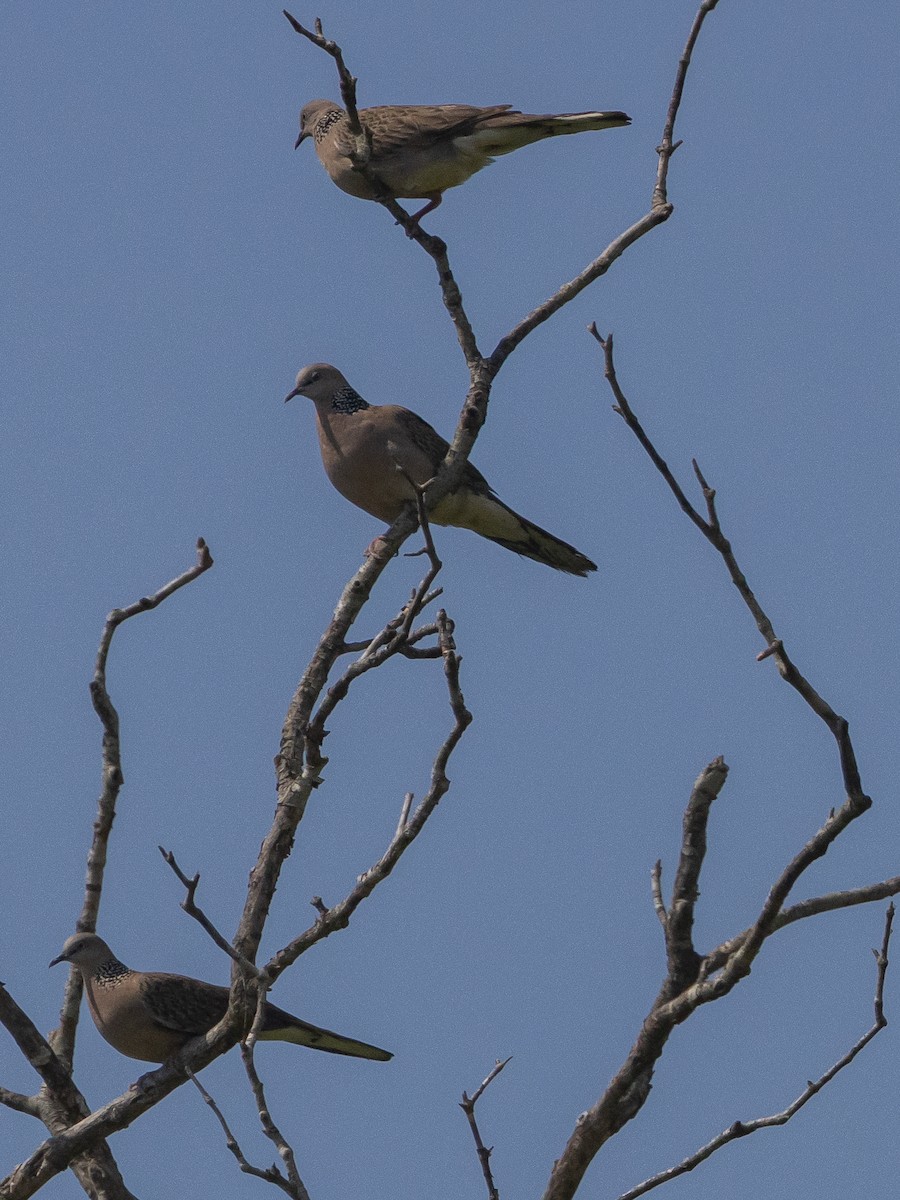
<point>314,113</point>
<point>327,388</point>
<point>86,951</point>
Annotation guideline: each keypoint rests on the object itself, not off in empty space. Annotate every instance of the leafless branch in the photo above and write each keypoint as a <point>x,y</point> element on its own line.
<point>743,1128</point>
<point>347,81</point>
<point>56,1153</point>
<point>268,1174</point>
<point>193,910</point>
<point>19,1103</point>
<point>812,907</point>
<point>683,959</point>
<point>395,638</point>
<point>468,1106</point>
<point>711,529</point>
<point>659,905</point>
<point>408,828</point>
<point>63,1039</point>
<point>59,1104</point>
<point>667,146</point>
<point>691,980</point>
<point>295,1186</point>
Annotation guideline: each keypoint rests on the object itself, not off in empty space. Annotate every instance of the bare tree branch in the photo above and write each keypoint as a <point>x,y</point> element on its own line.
<point>468,1106</point>
<point>57,1153</point>
<point>808,908</point>
<point>659,905</point>
<point>743,1128</point>
<point>294,1184</point>
<point>683,959</point>
<point>667,146</point>
<point>19,1103</point>
<point>59,1104</point>
<point>408,829</point>
<point>63,1039</point>
<point>712,531</point>
<point>193,910</point>
<point>267,1174</point>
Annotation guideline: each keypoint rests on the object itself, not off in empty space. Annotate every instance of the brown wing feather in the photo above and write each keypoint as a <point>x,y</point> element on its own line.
<point>429,441</point>
<point>184,1005</point>
<point>415,127</point>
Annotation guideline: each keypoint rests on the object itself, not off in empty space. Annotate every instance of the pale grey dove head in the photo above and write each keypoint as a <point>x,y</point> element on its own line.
<point>310,114</point>
<point>86,951</point>
<point>319,382</point>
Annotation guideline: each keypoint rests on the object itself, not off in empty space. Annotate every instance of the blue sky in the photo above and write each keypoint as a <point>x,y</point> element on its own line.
<point>171,263</point>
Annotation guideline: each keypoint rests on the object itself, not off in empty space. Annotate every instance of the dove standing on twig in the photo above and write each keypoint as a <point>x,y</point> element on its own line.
<point>373,454</point>
<point>150,1015</point>
<point>420,150</point>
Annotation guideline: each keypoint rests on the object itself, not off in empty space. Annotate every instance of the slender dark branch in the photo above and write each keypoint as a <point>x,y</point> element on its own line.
<point>812,907</point>
<point>659,905</point>
<point>408,829</point>
<point>856,803</point>
<point>660,211</point>
<point>623,408</point>
<point>393,639</point>
<point>468,1106</point>
<point>667,146</point>
<point>59,1104</point>
<point>743,1128</point>
<point>191,907</point>
<point>403,819</point>
<point>20,1103</point>
<point>628,1091</point>
<point>63,1039</point>
<point>296,1186</point>
<point>347,81</point>
<point>269,1174</point>
<point>568,291</point>
<point>145,604</point>
<point>684,961</point>
<point>39,1053</point>
<point>712,531</point>
<point>58,1152</point>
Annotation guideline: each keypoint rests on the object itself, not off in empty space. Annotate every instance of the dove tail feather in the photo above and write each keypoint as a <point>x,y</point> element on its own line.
<point>544,547</point>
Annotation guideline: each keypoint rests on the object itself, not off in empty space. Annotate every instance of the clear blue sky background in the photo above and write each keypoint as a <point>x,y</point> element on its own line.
<point>170,264</point>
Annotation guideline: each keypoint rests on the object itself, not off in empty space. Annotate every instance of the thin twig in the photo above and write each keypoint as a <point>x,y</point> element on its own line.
<point>270,1129</point>
<point>193,910</point>
<point>269,1174</point>
<point>812,907</point>
<point>711,529</point>
<point>667,146</point>
<point>403,819</point>
<point>467,1104</point>
<point>684,961</point>
<point>59,1104</point>
<point>743,1128</point>
<point>20,1103</point>
<point>338,916</point>
<point>394,638</point>
<point>112,778</point>
<point>347,81</point>
<point>659,905</point>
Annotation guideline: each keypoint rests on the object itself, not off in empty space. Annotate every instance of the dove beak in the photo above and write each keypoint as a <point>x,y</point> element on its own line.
<point>304,133</point>
<point>61,958</point>
<point>291,395</point>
